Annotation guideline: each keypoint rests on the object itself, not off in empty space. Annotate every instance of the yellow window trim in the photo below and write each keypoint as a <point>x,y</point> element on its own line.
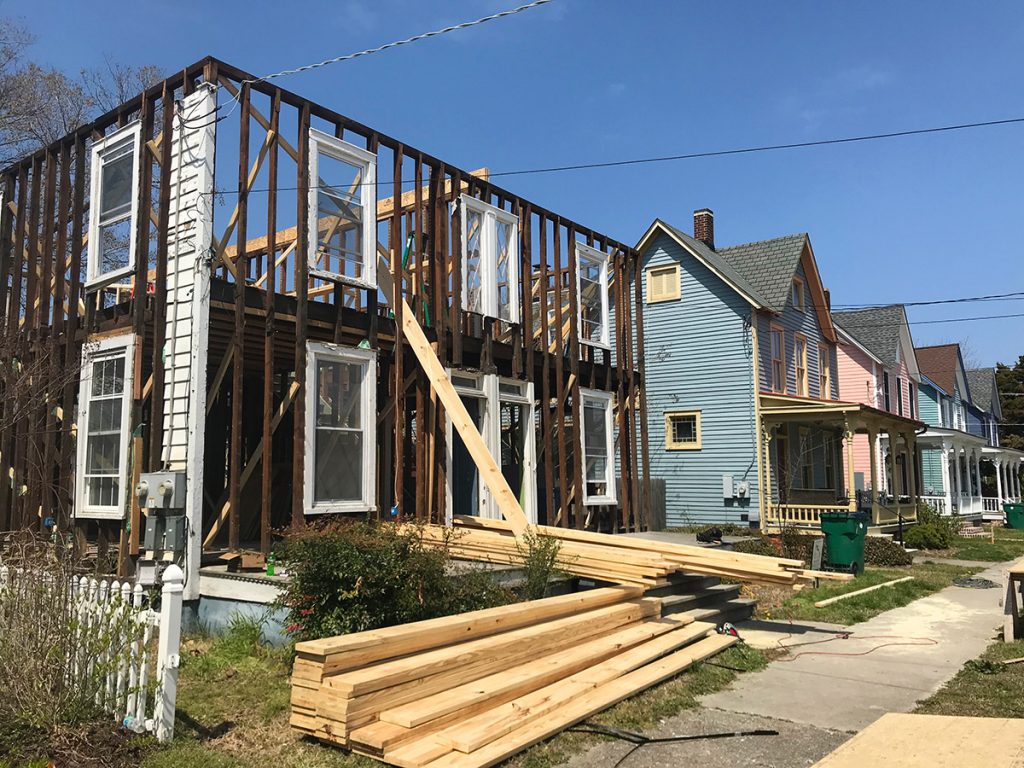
<point>673,293</point>
<point>671,444</point>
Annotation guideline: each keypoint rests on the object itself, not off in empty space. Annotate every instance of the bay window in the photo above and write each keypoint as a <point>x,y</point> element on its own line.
<point>341,434</point>
<point>342,211</point>
<point>490,260</point>
<point>113,209</point>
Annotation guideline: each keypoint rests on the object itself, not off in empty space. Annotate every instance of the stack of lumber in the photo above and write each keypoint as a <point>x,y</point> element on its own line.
<point>474,689</point>
<point>619,558</point>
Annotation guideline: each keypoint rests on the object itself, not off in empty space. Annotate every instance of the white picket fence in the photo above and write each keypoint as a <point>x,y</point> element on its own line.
<point>137,695</point>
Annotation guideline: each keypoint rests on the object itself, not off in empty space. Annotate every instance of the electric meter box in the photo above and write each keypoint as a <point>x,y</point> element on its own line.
<point>161,492</point>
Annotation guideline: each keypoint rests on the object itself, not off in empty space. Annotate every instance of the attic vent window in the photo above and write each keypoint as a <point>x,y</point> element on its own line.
<point>113,219</point>
<point>490,260</point>
<point>342,211</point>
<point>663,283</point>
<point>798,295</point>
<point>682,431</point>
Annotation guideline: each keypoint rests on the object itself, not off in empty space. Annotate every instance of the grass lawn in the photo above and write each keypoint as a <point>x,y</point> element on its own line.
<point>984,687</point>
<point>1009,545</point>
<point>928,578</point>
<point>233,709</point>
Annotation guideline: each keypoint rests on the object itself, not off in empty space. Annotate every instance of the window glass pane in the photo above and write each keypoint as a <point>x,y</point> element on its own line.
<point>102,491</point>
<point>684,429</point>
<point>338,475</point>
<point>504,270</point>
<point>474,238</point>
<point>592,319</point>
<point>115,244</point>
<point>339,394</point>
<point>117,168</point>
<point>108,376</point>
<point>339,217</point>
<point>595,439</point>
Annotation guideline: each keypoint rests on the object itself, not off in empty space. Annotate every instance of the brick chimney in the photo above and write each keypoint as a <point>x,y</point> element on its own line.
<point>704,227</point>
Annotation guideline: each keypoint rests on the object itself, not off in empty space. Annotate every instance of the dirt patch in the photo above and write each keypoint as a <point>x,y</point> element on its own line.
<point>94,745</point>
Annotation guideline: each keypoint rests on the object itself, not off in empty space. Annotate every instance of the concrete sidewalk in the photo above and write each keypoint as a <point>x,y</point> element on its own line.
<point>888,663</point>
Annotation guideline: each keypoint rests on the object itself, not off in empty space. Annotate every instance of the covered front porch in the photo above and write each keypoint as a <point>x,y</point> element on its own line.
<point>953,474</point>
<point>808,453</point>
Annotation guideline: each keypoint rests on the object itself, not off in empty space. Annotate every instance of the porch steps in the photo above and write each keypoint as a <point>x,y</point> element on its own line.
<point>702,598</point>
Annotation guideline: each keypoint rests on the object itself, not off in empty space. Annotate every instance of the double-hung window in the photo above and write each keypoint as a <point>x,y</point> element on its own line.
<point>490,260</point>
<point>778,359</point>
<point>105,398</point>
<point>899,395</point>
<point>886,392</point>
<point>598,447</point>
<point>341,434</point>
<point>912,398</point>
<point>797,292</point>
<point>592,288</point>
<point>824,373</point>
<point>800,363</point>
<point>113,208</point>
<point>342,211</point>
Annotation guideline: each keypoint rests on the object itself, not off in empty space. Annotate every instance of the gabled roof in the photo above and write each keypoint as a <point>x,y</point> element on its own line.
<point>877,328</point>
<point>711,259</point>
<point>984,394</point>
<point>768,265</point>
<point>940,364</point>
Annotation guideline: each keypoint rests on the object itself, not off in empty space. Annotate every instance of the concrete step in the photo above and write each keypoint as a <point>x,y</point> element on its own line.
<point>704,598</point>
<point>686,584</point>
<point>732,611</point>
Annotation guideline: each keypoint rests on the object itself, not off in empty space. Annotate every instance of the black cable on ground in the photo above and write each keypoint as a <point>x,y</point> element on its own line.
<point>639,740</point>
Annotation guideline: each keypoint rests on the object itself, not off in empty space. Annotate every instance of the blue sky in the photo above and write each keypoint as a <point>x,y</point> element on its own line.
<point>911,219</point>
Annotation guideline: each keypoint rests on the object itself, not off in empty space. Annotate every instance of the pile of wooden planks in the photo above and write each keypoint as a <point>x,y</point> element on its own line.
<point>619,558</point>
<point>473,689</point>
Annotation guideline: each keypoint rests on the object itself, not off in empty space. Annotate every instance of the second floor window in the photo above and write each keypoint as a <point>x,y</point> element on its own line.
<point>824,373</point>
<point>800,364</point>
<point>592,288</point>
<point>490,260</point>
<point>342,211</point>
<point>899,395</point>
<point>886,394</point>
<point>798,295</point>
<point>778,360</point>
<point>114,205</point>
<point>912,399</point>
<point>598,448</point>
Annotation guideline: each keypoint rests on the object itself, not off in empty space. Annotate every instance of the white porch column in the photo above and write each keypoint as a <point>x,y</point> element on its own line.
<point>999,478</point>
<point>850,487</point>
<point>873,450</point>
<point>977,470</point>
<point>1016,478</point>
<point>947,487</point>
<point>957,489</point>
<point>911,459</point>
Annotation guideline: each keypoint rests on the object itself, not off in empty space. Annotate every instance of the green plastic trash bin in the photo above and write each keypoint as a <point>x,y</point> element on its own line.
<point>1014,515</point>
<point>844,540</point>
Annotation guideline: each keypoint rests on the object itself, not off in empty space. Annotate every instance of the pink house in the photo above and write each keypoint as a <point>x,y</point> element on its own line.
<point>877,367</point>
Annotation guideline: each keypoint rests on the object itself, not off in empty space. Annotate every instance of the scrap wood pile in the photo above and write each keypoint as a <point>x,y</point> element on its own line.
<point>619,558</point>
<point>476,688</point>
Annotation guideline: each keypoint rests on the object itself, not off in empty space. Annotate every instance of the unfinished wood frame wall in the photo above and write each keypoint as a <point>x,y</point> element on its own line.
<point>266,306</point>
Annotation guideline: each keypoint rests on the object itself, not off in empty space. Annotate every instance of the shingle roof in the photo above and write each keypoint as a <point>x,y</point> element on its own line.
<point>722,266</point>
<point>981,383</point>
<point>877,328</point>
<point>939,364</point>
<point>768,265</point>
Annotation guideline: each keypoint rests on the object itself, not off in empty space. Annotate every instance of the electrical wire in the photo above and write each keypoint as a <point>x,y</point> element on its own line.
<point>638,740</point>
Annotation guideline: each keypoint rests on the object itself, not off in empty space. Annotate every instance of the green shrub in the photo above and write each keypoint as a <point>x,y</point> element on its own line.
<point>928,536</point>
<point>796,545</point>
<point>540,562</point>
<point>353,576</point>
<point>885,552</point>
<point>761,545</point>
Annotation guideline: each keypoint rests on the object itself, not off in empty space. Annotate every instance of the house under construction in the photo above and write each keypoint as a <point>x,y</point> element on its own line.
<point>262,299</point>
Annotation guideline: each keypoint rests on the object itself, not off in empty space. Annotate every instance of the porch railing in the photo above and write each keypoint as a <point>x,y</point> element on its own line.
<point>991,504</point>
<point>938,503</point>
<point>800,514</point>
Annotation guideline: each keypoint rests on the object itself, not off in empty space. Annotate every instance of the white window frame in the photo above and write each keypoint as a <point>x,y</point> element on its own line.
<point>490,216</point>
<point>114,346</point>
<point>608,398</point>
<point>824,372</point>
<point>588,253</point>
<point>316,351</point>
<point>487,388</point>
<point>337,149</point>
<point>803,384</point>
<point>94,277</point>
<point>796,294</point>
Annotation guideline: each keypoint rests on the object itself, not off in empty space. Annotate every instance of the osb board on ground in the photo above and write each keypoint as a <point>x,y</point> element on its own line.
<point>933,741</point>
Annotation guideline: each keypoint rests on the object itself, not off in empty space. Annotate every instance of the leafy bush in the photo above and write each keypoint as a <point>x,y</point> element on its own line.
<point>885,552</point>
<point>796,545</point>
<point>54,661</point>
<point>761,545</point>
<point>540,562</point>
<point>928,536</point>
<point>353,576</point>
